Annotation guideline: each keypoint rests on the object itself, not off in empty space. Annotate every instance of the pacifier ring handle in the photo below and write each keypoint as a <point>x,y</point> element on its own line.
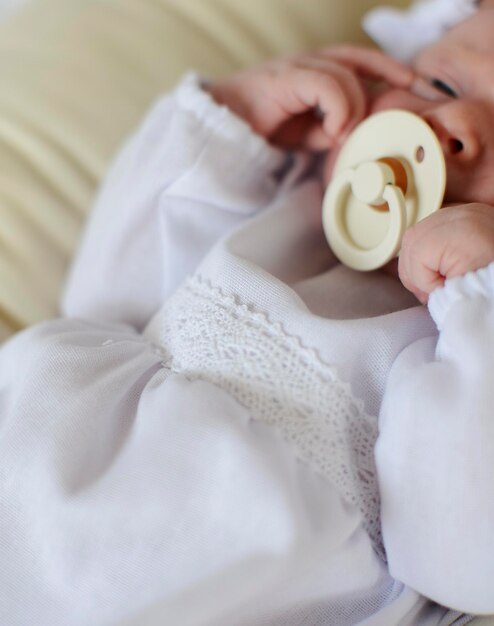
<point>400,176</point>
<point>354,181</point>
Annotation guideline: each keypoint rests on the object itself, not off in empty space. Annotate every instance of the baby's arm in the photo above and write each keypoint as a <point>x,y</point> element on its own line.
<point>435,452</point>
<point>195,171</point>
<point>191,173</point>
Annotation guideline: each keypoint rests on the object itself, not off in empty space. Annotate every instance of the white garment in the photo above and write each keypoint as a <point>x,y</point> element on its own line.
<point>217,468</point>
<point>404,33</point>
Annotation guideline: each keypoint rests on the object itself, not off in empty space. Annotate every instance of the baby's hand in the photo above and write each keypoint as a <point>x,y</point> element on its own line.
<point>451,242</point>
<point>310,101</point>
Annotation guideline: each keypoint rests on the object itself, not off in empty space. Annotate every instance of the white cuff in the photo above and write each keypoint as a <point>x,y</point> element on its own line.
<point>479,283</point>
<point>237,168</point>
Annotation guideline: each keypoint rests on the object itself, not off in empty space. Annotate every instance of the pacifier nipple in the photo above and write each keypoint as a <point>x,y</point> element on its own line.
<point>370,180</point>
<point>389,175</point>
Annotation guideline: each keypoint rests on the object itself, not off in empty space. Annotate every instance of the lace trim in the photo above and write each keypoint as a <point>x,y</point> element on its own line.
<point>213,337</point>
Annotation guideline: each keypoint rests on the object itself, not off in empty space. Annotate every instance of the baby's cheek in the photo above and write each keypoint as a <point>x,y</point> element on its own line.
<point>483,180</point>
<point>465,185</point>
<point>387,98</point>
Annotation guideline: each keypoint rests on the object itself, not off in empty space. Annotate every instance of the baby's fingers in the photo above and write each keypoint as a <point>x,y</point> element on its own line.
<point>373,64</point>
<point>334,92</point>
<point>302,132</point>
<point>420,279</point>
<point>420,260</point>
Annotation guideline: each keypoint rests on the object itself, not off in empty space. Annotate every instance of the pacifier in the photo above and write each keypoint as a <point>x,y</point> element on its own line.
<point>389,175</point>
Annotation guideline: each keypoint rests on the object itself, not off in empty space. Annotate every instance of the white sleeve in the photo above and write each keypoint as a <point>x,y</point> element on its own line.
<point>192,173</point>
<point>435,452</point>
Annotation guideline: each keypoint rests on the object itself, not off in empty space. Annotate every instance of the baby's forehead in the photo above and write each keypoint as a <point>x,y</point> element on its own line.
<point>474,33</point>
<point>466,45</point>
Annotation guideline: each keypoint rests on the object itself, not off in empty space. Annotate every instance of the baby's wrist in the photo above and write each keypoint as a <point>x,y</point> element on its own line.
<point>225,95</point>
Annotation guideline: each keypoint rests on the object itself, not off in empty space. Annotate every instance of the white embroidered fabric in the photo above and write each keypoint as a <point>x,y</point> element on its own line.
<point>210,336</point>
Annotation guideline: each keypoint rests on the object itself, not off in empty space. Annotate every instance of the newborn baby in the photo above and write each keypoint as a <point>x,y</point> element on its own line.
<point>230,428</point>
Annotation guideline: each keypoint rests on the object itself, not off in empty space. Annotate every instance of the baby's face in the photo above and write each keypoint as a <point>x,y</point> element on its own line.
<point>454,93</point>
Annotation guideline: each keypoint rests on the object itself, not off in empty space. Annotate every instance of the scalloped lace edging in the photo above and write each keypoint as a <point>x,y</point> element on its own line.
<point>210,336</point>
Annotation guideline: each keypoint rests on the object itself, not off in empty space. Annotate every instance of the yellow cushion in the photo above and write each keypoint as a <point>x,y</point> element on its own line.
<point>76,77</point>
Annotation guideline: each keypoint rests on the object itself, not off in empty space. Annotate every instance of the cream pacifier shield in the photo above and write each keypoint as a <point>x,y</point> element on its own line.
<point>389,175</point>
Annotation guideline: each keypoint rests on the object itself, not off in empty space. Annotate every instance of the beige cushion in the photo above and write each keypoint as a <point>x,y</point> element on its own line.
<point>76,77</point>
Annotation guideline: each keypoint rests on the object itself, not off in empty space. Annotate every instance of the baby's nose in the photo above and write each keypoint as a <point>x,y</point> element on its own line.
<point>456,135</point>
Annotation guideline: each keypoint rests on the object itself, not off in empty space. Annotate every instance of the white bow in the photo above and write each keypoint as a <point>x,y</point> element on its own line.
<point>402,34</point>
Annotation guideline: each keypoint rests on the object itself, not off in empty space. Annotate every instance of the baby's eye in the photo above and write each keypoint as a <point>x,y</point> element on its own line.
<point>443,87</point>
<point>433,89</point>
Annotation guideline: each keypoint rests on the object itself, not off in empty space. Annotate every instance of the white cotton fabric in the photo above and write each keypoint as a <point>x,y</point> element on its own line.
<point>404,33</point>
<point>193,443</point>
